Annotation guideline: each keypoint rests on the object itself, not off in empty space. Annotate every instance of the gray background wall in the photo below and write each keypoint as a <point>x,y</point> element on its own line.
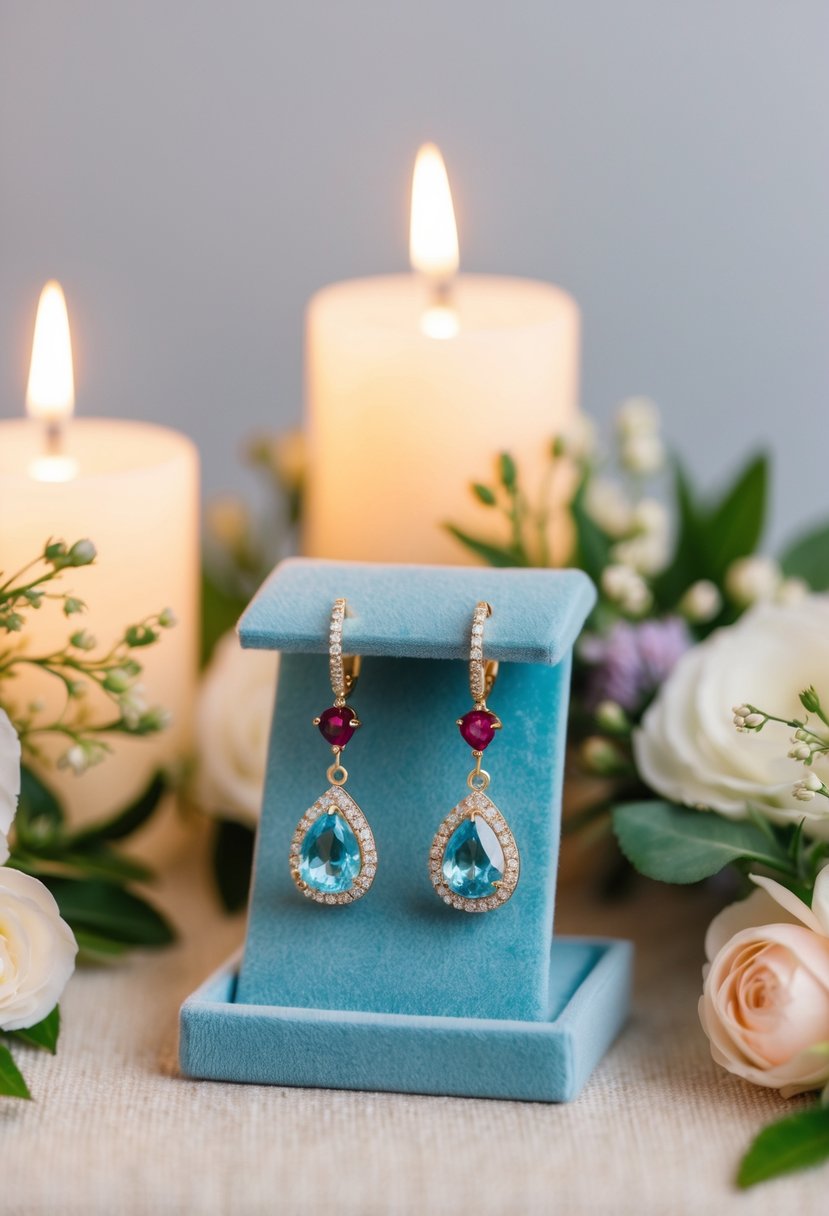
<point>193,171</point>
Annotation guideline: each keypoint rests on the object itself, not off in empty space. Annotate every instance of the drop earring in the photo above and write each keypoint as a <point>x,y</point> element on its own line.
<point>474,862</point>
<point>333,857</point>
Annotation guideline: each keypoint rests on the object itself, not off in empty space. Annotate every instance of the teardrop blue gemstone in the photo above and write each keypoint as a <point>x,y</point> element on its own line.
<point>473,860</point>
<point>329,858</point>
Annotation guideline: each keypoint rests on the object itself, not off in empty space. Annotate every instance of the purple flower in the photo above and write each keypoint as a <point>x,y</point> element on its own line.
<point>631,661</point>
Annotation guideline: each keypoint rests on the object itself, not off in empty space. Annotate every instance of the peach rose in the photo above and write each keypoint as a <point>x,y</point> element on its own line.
<point>765,999</point>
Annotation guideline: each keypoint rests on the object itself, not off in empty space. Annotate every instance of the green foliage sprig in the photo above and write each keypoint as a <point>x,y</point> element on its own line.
<point>87,873</point>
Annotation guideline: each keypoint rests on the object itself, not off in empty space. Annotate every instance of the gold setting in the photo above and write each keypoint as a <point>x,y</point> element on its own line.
<point>343,669</point>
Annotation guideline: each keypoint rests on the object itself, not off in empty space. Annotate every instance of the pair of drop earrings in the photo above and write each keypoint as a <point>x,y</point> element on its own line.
<point>473,859</point>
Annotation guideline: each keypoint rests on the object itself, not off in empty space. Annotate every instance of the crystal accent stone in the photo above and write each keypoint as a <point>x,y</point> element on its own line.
<point>330,859</point>
<point>335,725</point>
<point>473,861</point>
<point>478,728</point>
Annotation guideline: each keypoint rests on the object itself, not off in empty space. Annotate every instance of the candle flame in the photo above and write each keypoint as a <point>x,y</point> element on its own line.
<point>433,235</point>
<point>51,391</point>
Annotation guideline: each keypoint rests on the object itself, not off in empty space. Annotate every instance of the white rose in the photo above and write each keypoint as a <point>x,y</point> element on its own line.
<point>687,748</point>
<point>233,720</point>
<point>9,780</point>
<point>765,998</point>
<point>37,951</point>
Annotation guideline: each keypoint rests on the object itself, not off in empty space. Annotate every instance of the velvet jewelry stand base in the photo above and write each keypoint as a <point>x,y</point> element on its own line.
<point>397,991</point>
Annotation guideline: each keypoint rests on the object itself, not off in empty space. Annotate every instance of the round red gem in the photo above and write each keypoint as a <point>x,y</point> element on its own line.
<point>335,725</point>
<point>478,728</point>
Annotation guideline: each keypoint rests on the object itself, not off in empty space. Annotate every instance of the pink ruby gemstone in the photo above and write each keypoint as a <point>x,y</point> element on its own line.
<point>335,725</point>
<point>478,728</point>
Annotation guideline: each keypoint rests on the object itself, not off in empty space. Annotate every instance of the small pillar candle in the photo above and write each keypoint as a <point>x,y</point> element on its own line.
<point>415,383</point>
<point>131,488</point>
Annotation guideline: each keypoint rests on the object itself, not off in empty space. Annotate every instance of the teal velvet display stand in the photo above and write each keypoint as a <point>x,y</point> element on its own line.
<point>398,991</point>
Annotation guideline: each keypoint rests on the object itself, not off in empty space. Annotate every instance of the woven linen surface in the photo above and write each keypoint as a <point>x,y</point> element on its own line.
<point>113,1129</point>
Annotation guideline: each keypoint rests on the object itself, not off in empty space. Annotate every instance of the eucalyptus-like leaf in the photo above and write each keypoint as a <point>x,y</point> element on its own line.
<point>507,471</point>
<point>484,494</point>
<point>674,844</point>
<point>492,554</point>
<point>794,1143</point>
<point>12,1084</point>
<point>43,1034</point>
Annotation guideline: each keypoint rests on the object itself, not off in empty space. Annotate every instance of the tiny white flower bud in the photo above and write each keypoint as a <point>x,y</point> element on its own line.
<point>800,751</point>
<point>578,440</point>
<point>611,717</point>
<point>801,793</point>
<point>600,756</point>
<point>751,579</point>
<point>642,454</point>
<point>75,758</point>
<point>792,591</point>
<point>701,602</point>
<point>607,505</point>
<point>755,720</point>
<point>812,782</point>
<point>637,416</point>
<point>167,619</point>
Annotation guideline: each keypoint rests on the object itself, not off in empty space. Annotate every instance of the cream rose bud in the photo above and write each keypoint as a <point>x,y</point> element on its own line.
<point>9,780</point>
<point>687,749</point>
<point>37,951</point>
<point>765,1000</point>
<point>232,728</point>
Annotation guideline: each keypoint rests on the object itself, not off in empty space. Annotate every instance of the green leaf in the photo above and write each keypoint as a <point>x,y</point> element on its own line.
<point>674,844</point>
<point>106,863</point>
<point>592,543</point>
<point>794,1143</point>
<point>689,560</point>
<point>232,863</point>
<point>494,555</point>
<point>507,471</point>
<point>39,818</point>
<point>95,948</point>
<point>106,909</point>
<point>483,494</point>
<point>12,1084</point>
<point>44,1034</point>
<point>808,558</point>
<point>126,821</point>
<point>735,527</point>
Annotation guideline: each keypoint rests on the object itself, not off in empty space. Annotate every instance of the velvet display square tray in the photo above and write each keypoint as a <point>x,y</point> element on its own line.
<point>542,1061</point>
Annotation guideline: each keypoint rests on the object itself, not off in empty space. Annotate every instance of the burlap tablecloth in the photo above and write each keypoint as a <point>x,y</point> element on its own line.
<point>114,1130</point>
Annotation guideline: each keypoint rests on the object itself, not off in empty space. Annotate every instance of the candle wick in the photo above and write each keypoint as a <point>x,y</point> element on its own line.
<point>54,433</point>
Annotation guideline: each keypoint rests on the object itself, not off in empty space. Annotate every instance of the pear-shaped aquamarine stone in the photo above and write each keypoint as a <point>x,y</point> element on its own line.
<point>329,858</point>
<point>473,861</point>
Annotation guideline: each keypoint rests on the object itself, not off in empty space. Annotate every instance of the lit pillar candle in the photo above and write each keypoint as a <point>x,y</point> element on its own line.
<point>414,384</point>
<point>131,488</point>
